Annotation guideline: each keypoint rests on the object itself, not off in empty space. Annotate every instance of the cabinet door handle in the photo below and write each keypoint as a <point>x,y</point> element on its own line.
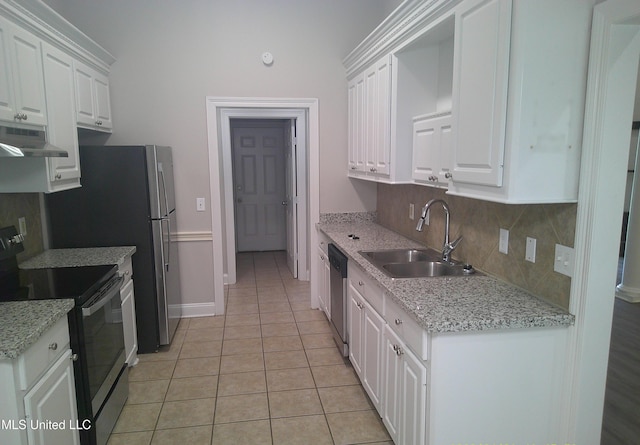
<point>399,351</point>
<point>74,357</point>
<point>360,283</point>
<point>360,305</point>
<point>448,175</point>
<point>398,321</point>
<point>53,346</point>
<point>58,176</point>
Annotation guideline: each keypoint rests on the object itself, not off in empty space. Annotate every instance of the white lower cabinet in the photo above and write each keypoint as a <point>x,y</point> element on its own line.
<point>38,393</point>
<point>404,408</point>
<point>324,283</point>
<point>127,297</point>
<point>53,399</point>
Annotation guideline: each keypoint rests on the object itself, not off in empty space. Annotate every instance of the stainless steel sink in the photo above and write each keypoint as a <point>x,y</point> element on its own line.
<point>381,257</point>
<point>424,269</point>
<point>415,263</point>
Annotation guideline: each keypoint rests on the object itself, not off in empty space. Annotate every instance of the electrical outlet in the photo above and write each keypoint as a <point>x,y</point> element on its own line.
<point>200,204</point>
<point>564,260</point>
<point>503,245</point>
<point>530,254</point>
<point>22,225</point>
<point>412,212</point>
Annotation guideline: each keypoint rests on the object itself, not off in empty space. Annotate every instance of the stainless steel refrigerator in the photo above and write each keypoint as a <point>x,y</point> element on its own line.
<point>127,199</point>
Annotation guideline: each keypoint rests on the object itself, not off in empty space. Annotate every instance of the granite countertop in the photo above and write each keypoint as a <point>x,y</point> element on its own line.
<point>22,323</point>
<point>87,256</point>
<point>445,304</point>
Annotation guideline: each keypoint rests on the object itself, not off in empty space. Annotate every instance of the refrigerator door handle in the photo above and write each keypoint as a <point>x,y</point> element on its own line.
<point>166,208</point>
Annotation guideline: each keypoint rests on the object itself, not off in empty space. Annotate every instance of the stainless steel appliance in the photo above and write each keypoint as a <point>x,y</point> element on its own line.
<point>338,279</point>
<point>25,142</point>
<point>95,330</point>
<point>126,199</point>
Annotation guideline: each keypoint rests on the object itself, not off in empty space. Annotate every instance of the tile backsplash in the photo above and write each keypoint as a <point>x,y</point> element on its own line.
<point>479,223</point>
<point>16,205</point>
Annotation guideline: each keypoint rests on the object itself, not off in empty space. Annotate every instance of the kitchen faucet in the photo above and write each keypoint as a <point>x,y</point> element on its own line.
<point>447,246</point>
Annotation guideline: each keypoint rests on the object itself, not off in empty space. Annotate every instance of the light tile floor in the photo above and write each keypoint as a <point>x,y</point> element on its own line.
<point>266,373</point>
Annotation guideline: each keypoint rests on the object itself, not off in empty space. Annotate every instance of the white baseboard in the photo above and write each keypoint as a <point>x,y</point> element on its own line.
<point>191,310</point>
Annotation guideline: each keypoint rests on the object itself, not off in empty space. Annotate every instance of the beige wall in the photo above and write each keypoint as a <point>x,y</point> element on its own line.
<point>479,223</point>
<point>17,205</point>
<point>172,54</point>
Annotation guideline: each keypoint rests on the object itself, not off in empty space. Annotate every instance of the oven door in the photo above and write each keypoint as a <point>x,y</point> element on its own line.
<point>103,341</point>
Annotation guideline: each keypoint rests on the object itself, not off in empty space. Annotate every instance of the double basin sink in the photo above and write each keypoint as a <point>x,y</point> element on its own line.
<point>415,263</point>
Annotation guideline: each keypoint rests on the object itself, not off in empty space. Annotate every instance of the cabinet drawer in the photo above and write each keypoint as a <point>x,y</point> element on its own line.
<point>323,242</point>
<point>126,270</point>
<point>42,353</point>
<point>367,288</point>
<point>409,331</point>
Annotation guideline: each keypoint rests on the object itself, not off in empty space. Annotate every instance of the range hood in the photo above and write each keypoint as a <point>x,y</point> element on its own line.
<point>27,143</point>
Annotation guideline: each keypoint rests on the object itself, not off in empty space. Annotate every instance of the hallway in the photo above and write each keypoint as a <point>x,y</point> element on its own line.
<point>266,373</point>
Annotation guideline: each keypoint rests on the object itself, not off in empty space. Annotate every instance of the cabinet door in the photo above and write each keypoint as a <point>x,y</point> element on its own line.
<point>62,132</point>
<point>24,57</point>
<point>53,398</point>
<point>85,102</point>
<point>93,105</point>
<point>327,286</point>
<point>382,107</point>
<point>431,149</point>
<point>356,124</point>
<point>129,323</point>
<point>102,101</point>
<point>373,325</point>
<point>392,383</point>
<point>481,68</point>
<point>356,317</point>
<point>413,399</point>
<point>377,102</point>
<point>7,102</point>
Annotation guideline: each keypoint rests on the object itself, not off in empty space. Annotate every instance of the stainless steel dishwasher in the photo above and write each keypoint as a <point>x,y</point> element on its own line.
<point>339,301</point>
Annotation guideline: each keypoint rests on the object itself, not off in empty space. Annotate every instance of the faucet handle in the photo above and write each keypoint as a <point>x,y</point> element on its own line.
<point>452,245</point>
<point>448,248</point>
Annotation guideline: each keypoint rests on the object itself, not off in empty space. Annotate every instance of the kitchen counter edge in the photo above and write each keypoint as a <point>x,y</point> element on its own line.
<point>79,257</point>
<point>22,323</point>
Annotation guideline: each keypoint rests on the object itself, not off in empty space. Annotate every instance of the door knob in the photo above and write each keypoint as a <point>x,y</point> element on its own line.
<point>284,203</point>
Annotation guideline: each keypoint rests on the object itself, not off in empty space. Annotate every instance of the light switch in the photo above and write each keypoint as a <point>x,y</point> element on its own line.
<point>564,260</point>
<point>530,254</point>
<point>503,244</point>
<point>412,212</point>
<point>200,204</point>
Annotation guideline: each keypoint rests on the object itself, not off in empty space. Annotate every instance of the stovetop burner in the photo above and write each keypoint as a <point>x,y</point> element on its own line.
<point>78,283</point>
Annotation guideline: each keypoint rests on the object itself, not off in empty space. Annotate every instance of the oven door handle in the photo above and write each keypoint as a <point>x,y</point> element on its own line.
<point>114,288</point>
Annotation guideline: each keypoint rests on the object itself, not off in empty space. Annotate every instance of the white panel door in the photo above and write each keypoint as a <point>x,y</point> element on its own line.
<point>291,197</point>
<point>259,176</point>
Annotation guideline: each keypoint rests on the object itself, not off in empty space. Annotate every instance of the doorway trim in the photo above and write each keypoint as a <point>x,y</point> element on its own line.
<point>220,110</point>
<point>612,74</point>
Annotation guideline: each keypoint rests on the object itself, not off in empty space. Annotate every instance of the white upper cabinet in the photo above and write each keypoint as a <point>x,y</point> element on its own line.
<point>22,97</point>
<point>64,173</point>
<point>481,75</point>
<point>93,105</point>
<point>369,122</point>
<point>512,75</point>
<point>518,99</point>
<point>432,149</point>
